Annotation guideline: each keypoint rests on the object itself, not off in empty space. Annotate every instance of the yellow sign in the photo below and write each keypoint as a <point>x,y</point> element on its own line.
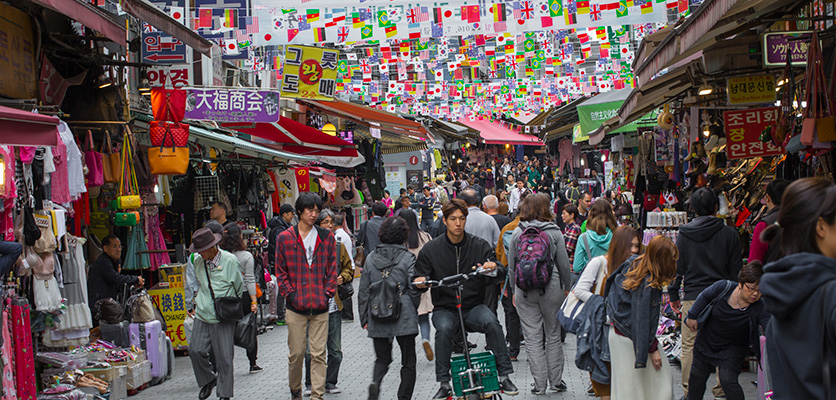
<point>17,55</point>
<point>578,135</point>
<point>309,72</point>
<point>751,89</point>
<point>173,308</point>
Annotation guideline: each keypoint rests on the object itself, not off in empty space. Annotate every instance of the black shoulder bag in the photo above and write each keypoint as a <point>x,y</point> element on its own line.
<point>228,308</point>
<point>385,298</point>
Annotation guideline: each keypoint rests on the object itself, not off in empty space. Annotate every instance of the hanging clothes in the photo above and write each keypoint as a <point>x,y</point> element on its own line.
<point>24,358</point>
<point>75,163</point>
<point>9,388</point>
<point>155,239</point>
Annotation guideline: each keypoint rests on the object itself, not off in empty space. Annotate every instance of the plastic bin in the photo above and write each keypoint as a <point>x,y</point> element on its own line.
<point>484,361</point>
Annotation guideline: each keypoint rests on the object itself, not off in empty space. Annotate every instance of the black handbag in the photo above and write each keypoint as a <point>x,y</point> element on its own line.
<point>228,308</point>
<point>345,291</point>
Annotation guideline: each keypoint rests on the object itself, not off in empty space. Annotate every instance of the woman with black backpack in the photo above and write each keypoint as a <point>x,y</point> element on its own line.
<point>538,295</point>
<point>386,279</point>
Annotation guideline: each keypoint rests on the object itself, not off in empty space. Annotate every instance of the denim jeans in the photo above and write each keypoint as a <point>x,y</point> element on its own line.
<point>424,326</point>
<point>9,253</point>
<point>476,319</point>
<point>426,224</point>
<point>335,352</point>
<point>383,353</point>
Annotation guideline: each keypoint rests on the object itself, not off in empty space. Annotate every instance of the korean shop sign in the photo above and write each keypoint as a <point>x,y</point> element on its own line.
<point>231,105</point>
<point>743,130</point>
<point>775,46</point>
<point>751,89</point>
<point>172,308</point>
<point>309,72</point>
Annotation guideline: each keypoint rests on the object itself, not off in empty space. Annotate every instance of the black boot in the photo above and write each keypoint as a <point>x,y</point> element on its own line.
<point>206,390</point>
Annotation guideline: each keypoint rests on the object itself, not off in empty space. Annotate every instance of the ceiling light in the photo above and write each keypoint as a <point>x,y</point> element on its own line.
<point>706,131</point>
<point>105,81</point>
<point>144,86</point>
<point>705,89</point>
<point>781,82</point>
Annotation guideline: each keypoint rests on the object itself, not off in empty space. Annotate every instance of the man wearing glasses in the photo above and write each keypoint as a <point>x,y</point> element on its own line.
<point>105,279</point>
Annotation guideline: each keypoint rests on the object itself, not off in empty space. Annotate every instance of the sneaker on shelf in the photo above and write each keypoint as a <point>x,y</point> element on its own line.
<point>560,387</point>
<point>254,369</point>
<point>333,389</point>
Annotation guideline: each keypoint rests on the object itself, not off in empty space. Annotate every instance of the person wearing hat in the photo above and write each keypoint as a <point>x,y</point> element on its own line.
<point>209,334</point>
<point>191,281</point>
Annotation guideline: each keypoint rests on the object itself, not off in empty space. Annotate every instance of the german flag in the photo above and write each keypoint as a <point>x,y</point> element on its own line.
<point>231,18</point>
<point>570,18</point>
<point>319,34</point>
<point>498,12</point>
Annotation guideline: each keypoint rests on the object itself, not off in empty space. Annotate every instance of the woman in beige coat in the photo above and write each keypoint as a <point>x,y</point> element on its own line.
<point>416,240</point>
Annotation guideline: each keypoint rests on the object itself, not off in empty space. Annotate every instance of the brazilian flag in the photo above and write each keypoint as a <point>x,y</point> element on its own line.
<point>555,8</point>
<point>622,10</point>
<point>366,32</point>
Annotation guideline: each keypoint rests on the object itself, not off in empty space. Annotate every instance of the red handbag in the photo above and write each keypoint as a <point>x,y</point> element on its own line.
<point>179,134</point>
<point>168,104</point>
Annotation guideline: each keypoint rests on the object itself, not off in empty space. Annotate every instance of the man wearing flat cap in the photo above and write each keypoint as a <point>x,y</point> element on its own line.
<point>219,267</point>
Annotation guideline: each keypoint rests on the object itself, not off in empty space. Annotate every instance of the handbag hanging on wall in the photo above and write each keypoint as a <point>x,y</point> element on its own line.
<point>168,160</point>
<point>819,125</point>
<point>111,161</point>
<point>94,161</point>
<point>128,188</point>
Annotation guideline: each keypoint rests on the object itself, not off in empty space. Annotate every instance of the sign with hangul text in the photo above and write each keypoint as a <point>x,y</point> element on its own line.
<point>743,130</point>
<point>751,89</point>
<point>232,105</point>
<point>173,309</point>
<point>309,72</point>
<point>177,75</point>
<point>159,47</point>
<point>777,44</point>
<point>19,78</point>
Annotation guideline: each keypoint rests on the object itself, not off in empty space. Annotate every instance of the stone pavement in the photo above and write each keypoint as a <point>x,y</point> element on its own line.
<point>355,372</point>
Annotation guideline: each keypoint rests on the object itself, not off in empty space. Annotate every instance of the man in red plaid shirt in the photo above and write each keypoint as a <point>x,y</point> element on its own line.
<point>306,271</point>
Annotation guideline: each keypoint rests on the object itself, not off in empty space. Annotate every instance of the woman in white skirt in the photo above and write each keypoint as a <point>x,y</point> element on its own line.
<point>634,295</point>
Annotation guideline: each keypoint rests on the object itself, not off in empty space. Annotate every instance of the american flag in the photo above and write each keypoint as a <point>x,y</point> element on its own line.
<point>252,25</point>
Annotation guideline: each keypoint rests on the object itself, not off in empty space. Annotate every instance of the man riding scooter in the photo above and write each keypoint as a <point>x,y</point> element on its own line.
<point>450,254</point>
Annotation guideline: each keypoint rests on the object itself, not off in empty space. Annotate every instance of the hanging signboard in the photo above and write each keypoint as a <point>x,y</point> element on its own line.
<point>178,75</point>
<point>17,55</point>
<point>310,72</point>
<point>303,179</point>
<point>751,89</point>
<point>775,46</point>
<point>743,130</point>
<point>172,308</point>
<point>578,135</point>
<point>232,105</point>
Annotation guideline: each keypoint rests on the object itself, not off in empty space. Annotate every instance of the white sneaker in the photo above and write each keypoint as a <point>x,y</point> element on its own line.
<point>307,391</point>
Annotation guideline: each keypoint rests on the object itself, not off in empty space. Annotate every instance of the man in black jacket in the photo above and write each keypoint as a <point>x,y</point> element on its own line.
<point>450,254</point>
<point>367,235</point>
<point>709,251</point>
<point>104,279</point>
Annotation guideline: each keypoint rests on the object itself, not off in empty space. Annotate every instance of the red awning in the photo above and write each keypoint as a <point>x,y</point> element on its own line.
<point>493,133</point>
<point>295,137</point>
<point>23,128</point>
<point>371,117</point>
<point>90,16</point>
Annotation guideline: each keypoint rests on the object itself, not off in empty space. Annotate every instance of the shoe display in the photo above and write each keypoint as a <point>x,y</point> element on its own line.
<point>333,389</point>
<point>443,393</point>
<point>374,391</point>
<point>254,369</point>
<point>508,387</point>
<point>428,349</point>
<point>206,390</point>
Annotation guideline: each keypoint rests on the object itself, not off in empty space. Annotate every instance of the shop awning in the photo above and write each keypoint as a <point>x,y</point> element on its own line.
<point>711,22</point>
<point>237,145</point>
<point>90,16</point>
<point>295,137</point>
<point>640,102</point>
<point>371,117</point>
<point>494,133</point>
<point>145,11</point>
<point>23,128</point>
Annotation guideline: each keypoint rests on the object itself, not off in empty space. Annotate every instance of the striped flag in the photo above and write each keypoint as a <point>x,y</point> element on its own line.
<point>231,18</point>
<point>319,34</point>
<point>498,12</point>
<point>647,8</point>
<point>391,31</point>
<point>252,25</point>
<point>313,14</point>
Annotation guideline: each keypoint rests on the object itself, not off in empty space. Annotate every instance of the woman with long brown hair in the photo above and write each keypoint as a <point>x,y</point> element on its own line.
<point>536,306</point>
<point>624,244</point>
<point>634,295</point>
<point>600,225</point>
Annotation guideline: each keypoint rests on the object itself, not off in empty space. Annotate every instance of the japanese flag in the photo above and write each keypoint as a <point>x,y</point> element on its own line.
<point>384,68</point>
<point>231,47</point>
<point>439,74</point>
<point>178,13</point>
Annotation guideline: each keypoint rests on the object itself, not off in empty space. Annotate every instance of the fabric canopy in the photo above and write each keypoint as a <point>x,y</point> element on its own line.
<point>493,133</point>
<point>295,137</point>
<point>90,16</point>
<point>372,117</point>
<point>23,128</point>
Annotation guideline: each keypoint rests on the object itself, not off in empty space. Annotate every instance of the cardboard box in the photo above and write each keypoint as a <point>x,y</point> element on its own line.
<point>119,387</point>
<point>138,375</point>
<point>105,374</point>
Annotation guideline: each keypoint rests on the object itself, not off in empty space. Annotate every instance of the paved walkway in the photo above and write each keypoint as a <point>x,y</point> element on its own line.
<point>355,373</point>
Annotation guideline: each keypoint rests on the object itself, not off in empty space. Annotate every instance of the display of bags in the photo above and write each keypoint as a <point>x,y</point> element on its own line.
<point>168,160</point>
<point>819,123</point>
<point>142,169</point>
<point>169,134</point>
<point>168,104</point>
<point>93,159</point>
<point>129,218</point>
<point>111,161</point>
<point>137,253</point>
<point>128,187</point>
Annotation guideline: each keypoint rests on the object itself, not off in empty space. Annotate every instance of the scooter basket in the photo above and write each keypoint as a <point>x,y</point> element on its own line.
<point>486,362</point>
